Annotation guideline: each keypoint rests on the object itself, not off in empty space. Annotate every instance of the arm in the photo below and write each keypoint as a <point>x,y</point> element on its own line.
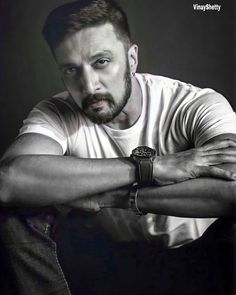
<point>34,172</point>
<point>200,197</point>
<point>196,198</point>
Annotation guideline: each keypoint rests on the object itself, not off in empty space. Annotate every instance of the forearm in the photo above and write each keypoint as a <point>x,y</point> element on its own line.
<point>202,197</point>
<point>41,180</point>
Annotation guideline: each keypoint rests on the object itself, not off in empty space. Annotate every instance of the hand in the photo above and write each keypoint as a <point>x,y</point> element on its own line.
<point>88,204</point>
<point>196,162</point>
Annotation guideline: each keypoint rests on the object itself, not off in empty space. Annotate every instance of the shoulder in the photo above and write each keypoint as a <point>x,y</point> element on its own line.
<point>59,100</point>
<point>166,83</point>
<point>61,105</point>
<point>173,90</point>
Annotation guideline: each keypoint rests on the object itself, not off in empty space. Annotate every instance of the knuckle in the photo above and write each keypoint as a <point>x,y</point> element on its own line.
<point>227,173</point>
<point>230,141</point>
<point>195,173</point>
<point>200,171</point>
<point>201,149</point>
<point>195,154</point>
<point>221,157</point>
<point>213,171</point>
<point>207,153</point>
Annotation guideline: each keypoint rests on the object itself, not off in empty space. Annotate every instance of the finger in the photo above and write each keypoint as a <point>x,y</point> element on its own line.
<point>87,204</point>
<point>219,144</point>
<point>93,206</point>
<point>215,172</point>
<point>228,151</point>
<point>218,159</point>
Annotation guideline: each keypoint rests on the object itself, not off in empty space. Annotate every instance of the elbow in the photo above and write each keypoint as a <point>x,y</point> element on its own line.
<point>5,183</point>
<point>233,198</point>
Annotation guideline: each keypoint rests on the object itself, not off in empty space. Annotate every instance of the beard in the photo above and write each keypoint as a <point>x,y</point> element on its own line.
<point>97,114</point>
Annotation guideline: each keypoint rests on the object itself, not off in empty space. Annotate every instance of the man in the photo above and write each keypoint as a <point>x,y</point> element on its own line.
<point>74,149</point>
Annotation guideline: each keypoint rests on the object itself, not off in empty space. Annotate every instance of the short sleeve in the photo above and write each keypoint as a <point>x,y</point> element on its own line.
<point>208,116</point>
<point>46,119</point>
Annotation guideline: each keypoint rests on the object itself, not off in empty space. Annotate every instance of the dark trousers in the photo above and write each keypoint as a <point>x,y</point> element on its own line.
<point>93,264</point>
<point>30,254</point>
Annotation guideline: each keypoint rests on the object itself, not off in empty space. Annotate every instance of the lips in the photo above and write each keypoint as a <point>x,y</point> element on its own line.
<point>97,104</point>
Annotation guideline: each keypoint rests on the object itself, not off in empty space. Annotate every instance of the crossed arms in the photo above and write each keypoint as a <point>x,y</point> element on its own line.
<point>34,172</point>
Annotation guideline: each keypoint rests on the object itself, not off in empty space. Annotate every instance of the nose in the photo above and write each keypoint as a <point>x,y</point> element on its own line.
<point>89,81</point>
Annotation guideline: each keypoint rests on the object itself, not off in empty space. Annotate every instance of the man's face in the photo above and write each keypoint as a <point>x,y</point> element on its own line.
<point>96,71</point>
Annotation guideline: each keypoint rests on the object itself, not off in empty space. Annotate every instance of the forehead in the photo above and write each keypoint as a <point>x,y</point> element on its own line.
<point>88,42</point>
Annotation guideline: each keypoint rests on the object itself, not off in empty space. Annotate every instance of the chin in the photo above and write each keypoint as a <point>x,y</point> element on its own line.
<point>102,118</point>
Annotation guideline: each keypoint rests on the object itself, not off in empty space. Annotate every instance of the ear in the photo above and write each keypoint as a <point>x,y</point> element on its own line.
<point>133,58</point>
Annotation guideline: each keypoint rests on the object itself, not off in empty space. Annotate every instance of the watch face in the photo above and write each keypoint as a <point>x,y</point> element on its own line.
<point>144,152</point>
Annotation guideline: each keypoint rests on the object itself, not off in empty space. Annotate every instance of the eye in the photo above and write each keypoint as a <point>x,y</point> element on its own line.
<point>70,71</point>
<point>101,63</point>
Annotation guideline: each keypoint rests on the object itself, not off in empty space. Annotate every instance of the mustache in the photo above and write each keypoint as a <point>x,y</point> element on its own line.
<point>93,98</point>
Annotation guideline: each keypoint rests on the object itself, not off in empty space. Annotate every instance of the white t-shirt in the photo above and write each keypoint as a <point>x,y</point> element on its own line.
<point>175,116</point>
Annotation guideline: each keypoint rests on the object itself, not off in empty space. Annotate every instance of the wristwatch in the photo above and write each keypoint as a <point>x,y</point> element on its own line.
<point>144,156</point>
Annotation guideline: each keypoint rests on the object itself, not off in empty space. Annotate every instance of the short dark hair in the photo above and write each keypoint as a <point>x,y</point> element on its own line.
<point>74,16</point>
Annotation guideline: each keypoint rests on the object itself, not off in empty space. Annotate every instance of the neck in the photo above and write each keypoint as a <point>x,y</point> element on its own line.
<point>132,110</point>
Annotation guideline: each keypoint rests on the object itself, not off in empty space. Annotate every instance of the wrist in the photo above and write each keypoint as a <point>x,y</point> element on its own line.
<point>133,200</point>
<point>114,199</point>
<point>132,169</point>
<point>143,158</point>
<point>156,168</point>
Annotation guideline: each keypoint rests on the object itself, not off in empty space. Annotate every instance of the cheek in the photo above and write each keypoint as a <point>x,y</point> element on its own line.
<point>72,86</point>
<point>73,89</point>
<point>115,77</point>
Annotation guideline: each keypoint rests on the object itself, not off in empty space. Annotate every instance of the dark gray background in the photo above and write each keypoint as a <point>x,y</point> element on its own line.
<point>174,40</point>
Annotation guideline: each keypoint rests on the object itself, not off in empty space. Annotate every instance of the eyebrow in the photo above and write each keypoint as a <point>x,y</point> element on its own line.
<point>99,54</point>
<point>95,56</point>
<point>67,65</point>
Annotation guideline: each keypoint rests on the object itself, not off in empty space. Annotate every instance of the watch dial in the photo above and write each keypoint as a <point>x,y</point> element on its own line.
<point>144,152</point>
